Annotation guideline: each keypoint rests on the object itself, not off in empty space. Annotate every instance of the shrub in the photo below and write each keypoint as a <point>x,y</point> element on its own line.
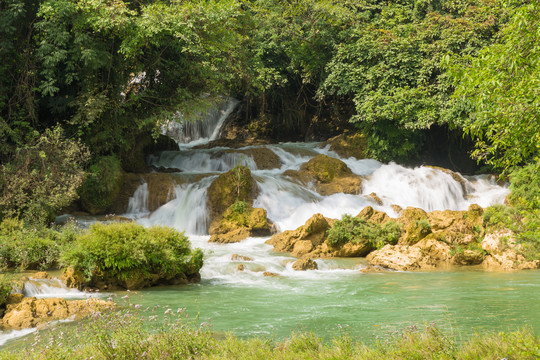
<point>42,178</point>
<point>5,290</point>
<point>102,184</point>
<point>357,230</point>
<point>32,247</point>
<point>130,255</point>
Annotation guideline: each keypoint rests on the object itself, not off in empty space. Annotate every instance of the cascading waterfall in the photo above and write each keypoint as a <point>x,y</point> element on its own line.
<point>138,203</point>
<point>51,288</point>
<point>205,127</point>
<point>289,204</point>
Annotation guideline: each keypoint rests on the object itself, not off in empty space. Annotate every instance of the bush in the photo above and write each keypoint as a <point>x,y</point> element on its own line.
<point>5,290</point>
<point>357,230</point>
<point>102,185</point>
<point>28,247</point>
<point>131,256</point>
<point>42,178</point>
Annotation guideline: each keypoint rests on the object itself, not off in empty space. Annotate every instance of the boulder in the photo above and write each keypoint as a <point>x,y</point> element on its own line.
<point>228,188</point>
<point>503,252</point>
<point>40,275</point>
<point>327,175</point>
<point>349,145</point>
<point>303,240</point>
<point>31,312</point>
<point>236,257</point>
<point>240,267</point>
<point>304,264</point>
<point>415,225</point>
<point>372,215</point>
<point>427,254</point>
<point>239,223</point>
<point>270,274</point>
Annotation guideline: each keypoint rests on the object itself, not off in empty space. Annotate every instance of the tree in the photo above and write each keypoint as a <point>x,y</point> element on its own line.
<point>502,87</point>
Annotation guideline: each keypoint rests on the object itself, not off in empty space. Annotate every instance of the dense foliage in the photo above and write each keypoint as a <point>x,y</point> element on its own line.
<point>501,86</point>
<point>127,252</point>
<point>358,230</point>
<point>23,247</point>
<point>133,334</point>
<point>109,74</point>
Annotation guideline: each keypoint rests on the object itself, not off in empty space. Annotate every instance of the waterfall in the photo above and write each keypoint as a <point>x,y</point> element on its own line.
<point>50,288</point>
<point>204,128</point>
<point>138,203</point>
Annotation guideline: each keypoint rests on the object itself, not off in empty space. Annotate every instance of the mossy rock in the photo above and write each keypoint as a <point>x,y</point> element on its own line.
<point>349,145</point>
<point>328,176</point>
<point>102,185</point>
<point>235,185</point>
<point>416,225</point>
<point>239,223</point>
<point>325,168</point>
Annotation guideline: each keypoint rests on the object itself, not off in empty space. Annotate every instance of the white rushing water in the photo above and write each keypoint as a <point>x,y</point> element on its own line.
<point>289,205</point>
<point>51,288</point>
<point>203,128</point>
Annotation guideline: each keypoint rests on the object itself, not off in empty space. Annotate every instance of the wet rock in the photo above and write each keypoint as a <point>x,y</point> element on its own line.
<point>304,264</point>
<point>373,269</point>
<point>270,274</point>
<point>236,257</point>
<point>456,176</point>
<point>228,188</point>
<point>349,145</point>
<point>327,175</point>
<point>162,169</point>
<point>468,257</point>
<point>31,312</point>
<point>73,278</point>
<point>239,224</point>
<point>240,267</point>
<point>376,199</point>
<point>415,224</point>
<point>303,240</point>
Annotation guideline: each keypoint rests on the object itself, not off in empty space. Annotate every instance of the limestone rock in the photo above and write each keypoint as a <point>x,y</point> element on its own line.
<point>372,215</point>
<point>304,264</point>
<point>228,188</point>
<point>237,225</point>
<point>349,145</point>
<point>415,225</point>
<point>40,275</point>
<point>270,274</point>
<point>303,240</point>
<point>503,252</point>
<point>236,257</point>
<point>73,278</point>
<point>240,267</point>
<point>328,176</point>
<point>31,312</point>
<point>263,157</point>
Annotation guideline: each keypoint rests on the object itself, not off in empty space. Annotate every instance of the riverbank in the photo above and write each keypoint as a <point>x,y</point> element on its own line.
<point>121,334</point>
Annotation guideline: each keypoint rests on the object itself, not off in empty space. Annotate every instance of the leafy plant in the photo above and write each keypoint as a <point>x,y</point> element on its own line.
<point>125,252</point>
<point>358,230</point>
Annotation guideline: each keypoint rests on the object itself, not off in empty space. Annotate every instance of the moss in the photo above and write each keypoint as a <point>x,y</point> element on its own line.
<point>228,188</point>
<point>102,185</point>
<point>325,168</point>
<point>349,145</point>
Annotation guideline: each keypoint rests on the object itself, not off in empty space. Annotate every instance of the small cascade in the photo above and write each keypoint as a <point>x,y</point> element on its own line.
<point>202,161</point>
<point>204,129</point>
<point>50,288</point>
<point>138,203</point>
<point>187,212</point>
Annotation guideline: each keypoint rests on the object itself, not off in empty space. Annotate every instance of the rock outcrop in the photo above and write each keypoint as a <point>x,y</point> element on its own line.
<point>26,312</point>
<point>327,175</point>
<point>304,264</point>
<point>427,241</point>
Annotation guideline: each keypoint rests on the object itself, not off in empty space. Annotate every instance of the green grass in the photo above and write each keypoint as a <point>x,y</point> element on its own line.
<point>163,333</point>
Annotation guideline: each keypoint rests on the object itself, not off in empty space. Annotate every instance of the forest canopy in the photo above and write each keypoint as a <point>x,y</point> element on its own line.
<point>108,73</point>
